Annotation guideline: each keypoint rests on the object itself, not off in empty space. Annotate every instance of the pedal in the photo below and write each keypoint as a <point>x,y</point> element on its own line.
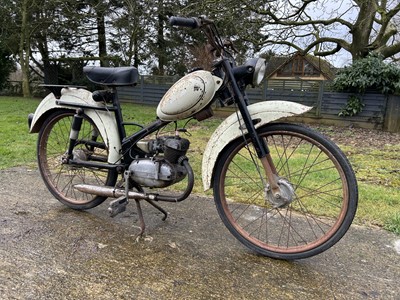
<point>117,206</point>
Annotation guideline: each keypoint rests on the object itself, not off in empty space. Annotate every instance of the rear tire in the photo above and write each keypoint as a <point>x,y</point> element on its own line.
<point>324,191</point>
<point>60,178</point>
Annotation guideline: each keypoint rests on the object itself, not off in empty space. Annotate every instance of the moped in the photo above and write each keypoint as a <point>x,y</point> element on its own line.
<point>283,190</point>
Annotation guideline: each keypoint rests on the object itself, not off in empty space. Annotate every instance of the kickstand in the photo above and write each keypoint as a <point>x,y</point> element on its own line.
<point>139,207</point>
<point>141,219</point>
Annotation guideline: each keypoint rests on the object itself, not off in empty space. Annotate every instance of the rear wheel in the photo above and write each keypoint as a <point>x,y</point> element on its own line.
<point>312,172</point>
<point>59,177</point>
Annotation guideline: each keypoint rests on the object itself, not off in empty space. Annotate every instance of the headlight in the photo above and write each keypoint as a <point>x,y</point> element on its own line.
<point>259,71</point>
<point>252,72</point>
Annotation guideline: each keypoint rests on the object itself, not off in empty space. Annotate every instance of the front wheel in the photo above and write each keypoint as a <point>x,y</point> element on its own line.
<point>312,170</point>
<point>60,177</point>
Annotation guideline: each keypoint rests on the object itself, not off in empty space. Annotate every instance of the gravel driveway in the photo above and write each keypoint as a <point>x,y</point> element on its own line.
<point>48,251</point>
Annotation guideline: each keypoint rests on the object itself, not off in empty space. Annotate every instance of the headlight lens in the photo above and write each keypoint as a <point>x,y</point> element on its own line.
<point>259,71</point>
<point>252,72</point>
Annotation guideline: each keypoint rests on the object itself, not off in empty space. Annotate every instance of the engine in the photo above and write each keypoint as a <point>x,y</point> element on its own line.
<point>164,165</point>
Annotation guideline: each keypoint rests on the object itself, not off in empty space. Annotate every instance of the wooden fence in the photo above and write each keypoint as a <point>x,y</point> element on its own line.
<point>380,111</point>
<point>326,103</point>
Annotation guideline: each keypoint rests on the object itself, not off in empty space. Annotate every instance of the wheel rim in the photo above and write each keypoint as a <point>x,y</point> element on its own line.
<point>61,178</point>
<point>320,201</point>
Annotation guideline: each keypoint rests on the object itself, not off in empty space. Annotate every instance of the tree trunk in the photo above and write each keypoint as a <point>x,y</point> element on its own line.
<point>101,32</point>
<point>136,52</point>
<point>24,49</point>
<point>362,28</point>
<point>160,39</point>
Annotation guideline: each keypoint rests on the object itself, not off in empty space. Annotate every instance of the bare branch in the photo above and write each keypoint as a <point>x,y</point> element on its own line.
<point>327,53</point>
<point>287,20</point>
<point>387,29</point>
<point>393,11</point>
<point>357,26</point>
<point>339,45</point>
<point>388,51</point>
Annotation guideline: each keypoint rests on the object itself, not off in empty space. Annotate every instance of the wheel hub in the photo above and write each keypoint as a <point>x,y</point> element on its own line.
<point>284,197</point>
<point>77,154</point>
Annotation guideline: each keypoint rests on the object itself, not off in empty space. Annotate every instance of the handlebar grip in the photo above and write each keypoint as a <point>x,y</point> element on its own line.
<point>184,22</point>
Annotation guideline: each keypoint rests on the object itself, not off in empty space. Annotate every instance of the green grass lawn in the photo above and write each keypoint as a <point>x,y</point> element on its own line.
<point>17,146</point>
<point>379,186</point>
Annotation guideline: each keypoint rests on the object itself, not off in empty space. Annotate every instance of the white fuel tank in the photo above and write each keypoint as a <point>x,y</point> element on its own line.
<point>188,95</point>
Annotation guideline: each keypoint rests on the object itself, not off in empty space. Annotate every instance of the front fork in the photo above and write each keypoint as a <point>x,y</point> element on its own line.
<point>264,155</point>
<point>260,145</point>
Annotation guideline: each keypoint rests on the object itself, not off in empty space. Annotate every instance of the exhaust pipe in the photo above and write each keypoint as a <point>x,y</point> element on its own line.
<point>108,191</point>
<point>112,192</point>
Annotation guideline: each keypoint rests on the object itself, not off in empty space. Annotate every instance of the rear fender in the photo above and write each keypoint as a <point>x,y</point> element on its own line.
<point>229,130</point>
<point>104,120</point>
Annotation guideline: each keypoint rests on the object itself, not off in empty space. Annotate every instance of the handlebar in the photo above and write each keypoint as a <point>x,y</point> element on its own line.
<point>208,27</point>
<point>184,22</point>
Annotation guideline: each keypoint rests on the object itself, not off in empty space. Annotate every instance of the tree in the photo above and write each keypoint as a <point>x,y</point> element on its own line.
<point>23,25</point>
<point>85,30</point>
<point>24,50</point>
<point>187,49</point>
<point>167,47</point>
<point>325,27</point>
<point>128,37</point>
<point>6,65</point>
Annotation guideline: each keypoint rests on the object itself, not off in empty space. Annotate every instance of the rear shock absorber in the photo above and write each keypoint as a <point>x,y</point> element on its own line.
<point>75,129</point>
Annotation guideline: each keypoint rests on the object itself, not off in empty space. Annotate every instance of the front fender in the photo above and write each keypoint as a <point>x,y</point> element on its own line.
<point>104,120</point>
<point>229,130</point>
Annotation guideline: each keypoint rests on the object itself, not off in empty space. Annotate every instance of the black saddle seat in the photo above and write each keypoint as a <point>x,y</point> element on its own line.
<point>119,76</point>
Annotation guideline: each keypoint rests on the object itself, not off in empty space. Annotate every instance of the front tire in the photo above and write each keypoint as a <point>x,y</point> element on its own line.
<point>322,181</point>
<point>60,177</point>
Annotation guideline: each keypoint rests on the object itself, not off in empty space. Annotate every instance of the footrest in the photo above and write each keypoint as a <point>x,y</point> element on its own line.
<point>117,206</point>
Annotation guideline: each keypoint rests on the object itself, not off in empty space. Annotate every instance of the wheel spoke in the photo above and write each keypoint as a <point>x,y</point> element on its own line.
<point>60,177</point>
<point>319,204</point>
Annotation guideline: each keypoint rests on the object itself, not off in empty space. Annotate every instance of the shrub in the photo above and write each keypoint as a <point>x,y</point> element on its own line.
<point>354,106</point>
<point>369,73</point>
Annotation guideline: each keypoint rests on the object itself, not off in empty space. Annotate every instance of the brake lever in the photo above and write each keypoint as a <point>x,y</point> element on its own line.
<point>229,44</point>
<point>203,20</point>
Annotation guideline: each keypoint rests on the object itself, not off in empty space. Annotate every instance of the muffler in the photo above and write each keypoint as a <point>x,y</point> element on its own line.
<point>106,191</point>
